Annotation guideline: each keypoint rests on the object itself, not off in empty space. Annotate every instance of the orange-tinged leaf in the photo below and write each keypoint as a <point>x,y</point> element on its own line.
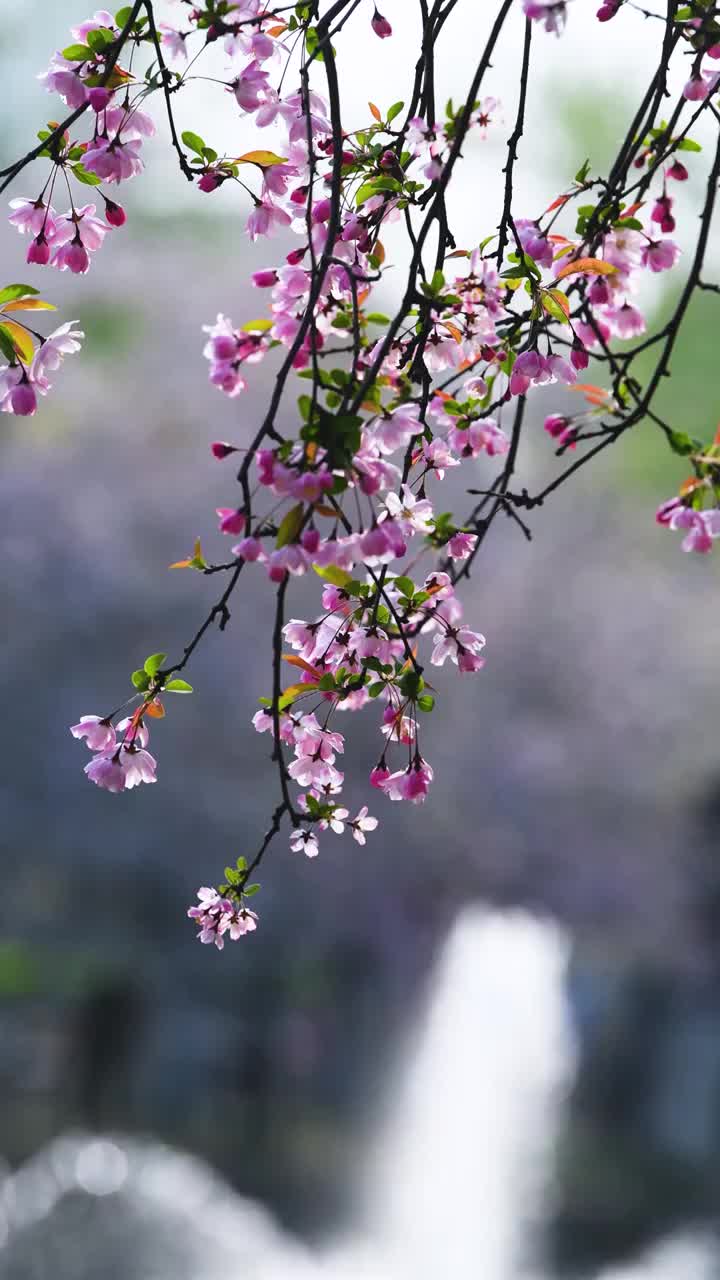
<point>155,709</point>
<point>459,253</point>
<point>263,159</point>
<point>594,395</point>
<point>368,406</point>
<point>379,251</point>
<point>453,329</point>
<point>180,564</point>
<point>278,30</point>
<point>374,111</point>
<point>20,338</point>
<point>294,691</point>
<point>362,295</point>
<point>688,486</point>
<point>559,239</point>
<point>295,661</point>
<point>320,510</point>
<point>28,304</point>
<point>634,208</point>
<point>588,266</point>
<point>557,204</point>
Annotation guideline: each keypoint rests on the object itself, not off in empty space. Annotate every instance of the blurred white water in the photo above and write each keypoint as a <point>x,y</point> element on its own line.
<point>457,1184</point>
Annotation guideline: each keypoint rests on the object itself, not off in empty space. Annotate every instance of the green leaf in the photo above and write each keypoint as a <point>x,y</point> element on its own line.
<point>406,585</point>
<point>99,39</point>
<point>582,173</point>
<point>13,291</point>
<point>394,111</point>
<point>7,347</point>
<point>425,702</point>
<point>83,175</point>
<point>178,686</point>
<point>241,863</point>
<point>232,876</point>
<point>688,144</point>
<point>376,317</point>
<point>290,525</point>
<point>141,680</point>
<point>680,442</point>
<point>326,683</point>
<point>153,664</point>
<point>250,890</point>
<point>122,15</point>
<point>77,53</point>
<point>332,573</point>
<point>193,141</point>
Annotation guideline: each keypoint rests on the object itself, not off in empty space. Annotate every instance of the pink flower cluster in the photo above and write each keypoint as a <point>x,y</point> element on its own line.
<point>701,527</point>
<point>219,918</point>
<point>20,383</point>
<point>120,761</point>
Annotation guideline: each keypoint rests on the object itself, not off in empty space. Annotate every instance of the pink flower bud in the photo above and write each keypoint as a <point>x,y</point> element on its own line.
<point>310,541</point>
<point>222,450</point>
<point>677,171</point>
<point>579,358</point>
<point>696,89</point>
<point>99,98</point>
<point>264,279</point>
<point>295,256</point>
<point>379,776</point>
<point>249,549</point>
<point>23,400</point>
<point>209,181</point>
<point>76,258</point>
<point>231,521</point>
<point>39,251</point>
<point>115,214</point>
<point>321,210</point>
<point>380,25</point>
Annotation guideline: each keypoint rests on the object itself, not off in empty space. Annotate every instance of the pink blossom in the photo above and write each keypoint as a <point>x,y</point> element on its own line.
<point>33,217</point>
<point>72,256</point>
<point>63,77</point>
<point>362,823</point>
<point>461,545</point>
<point>552,13</point>
<point>626,321</point>
<point>534,242</point>
<point>302,841</point>
<point>265,218</point>
<point>63,341</point>
<point>114,161</point>
<point>97,732</point>
<point>660,255</point>
<point>410,784</point>
<point>106,772</point>
<point>412,515</point>
<point>173,42</point>
<point>452,642</point>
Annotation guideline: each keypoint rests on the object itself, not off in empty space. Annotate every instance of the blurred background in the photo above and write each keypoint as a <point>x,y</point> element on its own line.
<point>578,779</point>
